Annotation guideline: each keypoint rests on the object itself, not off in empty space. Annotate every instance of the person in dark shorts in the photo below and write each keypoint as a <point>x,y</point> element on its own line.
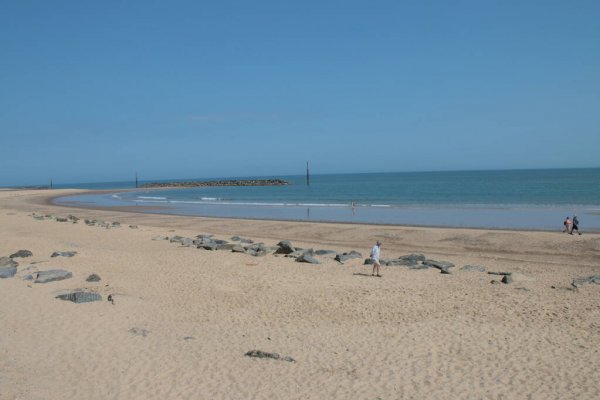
<point>575,225</point>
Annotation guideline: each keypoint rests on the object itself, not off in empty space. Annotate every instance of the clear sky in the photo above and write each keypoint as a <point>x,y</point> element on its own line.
<point>96,90</point>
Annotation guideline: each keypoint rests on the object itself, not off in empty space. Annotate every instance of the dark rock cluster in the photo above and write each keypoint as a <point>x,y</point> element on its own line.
<point>227,182</point>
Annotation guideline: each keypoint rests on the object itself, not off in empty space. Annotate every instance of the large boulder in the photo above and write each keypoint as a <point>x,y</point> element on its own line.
<point>8,262</point>
<point>443,266</point>
<point>414,258</point>
<point>473,268</point>
<point>238,248</point>
<point>399,262</point>
<point>285,247</point>
<point>242,240</point>
<point>342,257</point>
<point>258,250</point>
<point>307,258</point>
<point>8,272</point>
<point>21,253</point>
<point>208,246</point>
<point>52,275</point>
<point>80,296</point>
<point>177,239</point>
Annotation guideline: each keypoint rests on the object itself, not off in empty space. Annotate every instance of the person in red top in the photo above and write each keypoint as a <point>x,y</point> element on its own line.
<point>568,226</point>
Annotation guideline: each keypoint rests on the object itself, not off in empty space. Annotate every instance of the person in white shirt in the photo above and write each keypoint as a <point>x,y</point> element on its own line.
<point>375,257</point>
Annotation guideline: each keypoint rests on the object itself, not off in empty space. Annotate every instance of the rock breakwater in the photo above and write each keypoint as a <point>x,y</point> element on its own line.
<point>228,182</point>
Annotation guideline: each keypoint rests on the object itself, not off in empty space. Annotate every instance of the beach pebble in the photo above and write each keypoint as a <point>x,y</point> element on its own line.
<point>93,278</point>
<point>63,254</point>
<point>264,354</point>
<point>52,275</point>
<point>80,297</point>
<point>139,331</point>
<point>133,226</point>
<point>61,219</point>
<point>21,253</point>
<point>8,272</point>
<point>160,237</point>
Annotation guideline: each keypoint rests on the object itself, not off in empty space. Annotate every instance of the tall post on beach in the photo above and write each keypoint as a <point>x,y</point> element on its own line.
<point>136,180</point>
<point>307,175</point>
<point>50,183</point>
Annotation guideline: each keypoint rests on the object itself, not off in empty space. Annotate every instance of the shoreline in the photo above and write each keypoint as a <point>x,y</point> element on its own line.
<point>315,232</point>
<point>141,210</point>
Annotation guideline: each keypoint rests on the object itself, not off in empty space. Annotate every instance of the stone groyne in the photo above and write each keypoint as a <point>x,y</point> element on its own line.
<point>229,182</point>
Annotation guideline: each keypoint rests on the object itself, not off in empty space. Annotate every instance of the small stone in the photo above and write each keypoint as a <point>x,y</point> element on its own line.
<point>133,226</point>
<point>160,237</point>
<point>63,254</point>
<point>93,278</point>
<point>264,354</point>
<point>506,279</point>
<point>139,331</point>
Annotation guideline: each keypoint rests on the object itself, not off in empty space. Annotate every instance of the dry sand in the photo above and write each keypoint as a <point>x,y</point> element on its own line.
<point>413,334</point>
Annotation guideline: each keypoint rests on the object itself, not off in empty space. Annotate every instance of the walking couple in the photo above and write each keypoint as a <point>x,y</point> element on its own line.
<point>571,225</point>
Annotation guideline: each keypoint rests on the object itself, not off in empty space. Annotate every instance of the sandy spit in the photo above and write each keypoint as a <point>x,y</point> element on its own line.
<point>183,318</point>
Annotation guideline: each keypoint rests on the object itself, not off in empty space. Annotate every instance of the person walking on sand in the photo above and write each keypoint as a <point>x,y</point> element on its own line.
<point>568,226</point>
<point>575,225</point>
<point>375,257</point>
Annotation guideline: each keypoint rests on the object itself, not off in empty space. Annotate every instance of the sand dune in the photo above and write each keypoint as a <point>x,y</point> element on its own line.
<point>183,318</point>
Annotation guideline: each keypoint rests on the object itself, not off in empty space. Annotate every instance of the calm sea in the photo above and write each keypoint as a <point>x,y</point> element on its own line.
<point>521,199</point>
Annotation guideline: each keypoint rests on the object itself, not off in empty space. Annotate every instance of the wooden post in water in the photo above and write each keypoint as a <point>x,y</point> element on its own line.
<point>50,183</point>
<point>136,180</point>
<point>307,175</point>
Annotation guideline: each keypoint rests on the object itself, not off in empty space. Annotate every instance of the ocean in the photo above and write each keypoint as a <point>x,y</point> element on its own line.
<point>511,199</point>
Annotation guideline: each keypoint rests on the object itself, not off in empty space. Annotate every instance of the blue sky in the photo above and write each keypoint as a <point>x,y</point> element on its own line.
<point>94,91</point>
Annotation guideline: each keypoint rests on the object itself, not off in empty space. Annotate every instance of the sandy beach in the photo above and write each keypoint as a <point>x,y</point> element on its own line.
<point>183,318</point>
